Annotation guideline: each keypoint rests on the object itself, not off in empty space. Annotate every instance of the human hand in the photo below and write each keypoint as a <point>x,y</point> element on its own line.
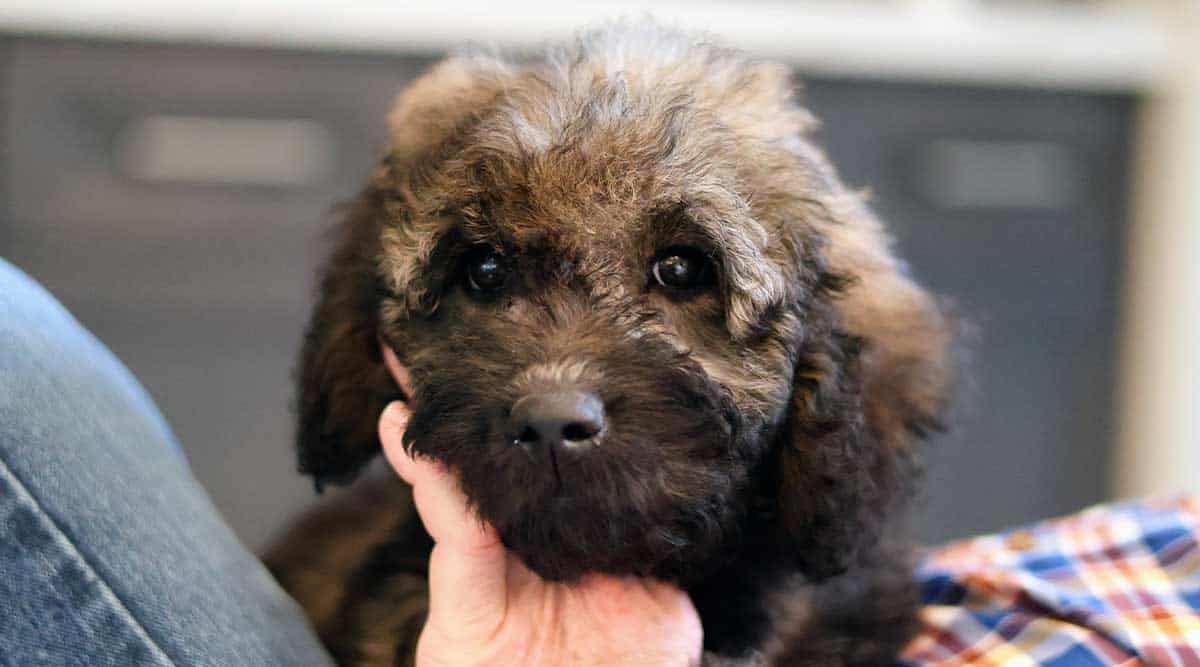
<point>487,608</point>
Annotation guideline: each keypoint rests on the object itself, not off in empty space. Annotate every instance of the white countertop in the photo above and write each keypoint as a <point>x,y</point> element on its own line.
<point>1068,47</point>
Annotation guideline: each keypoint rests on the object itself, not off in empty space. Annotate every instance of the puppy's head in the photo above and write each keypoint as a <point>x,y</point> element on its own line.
<point>644,321</point>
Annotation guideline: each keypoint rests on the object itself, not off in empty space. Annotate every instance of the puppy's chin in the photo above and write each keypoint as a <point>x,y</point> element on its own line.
<point>594,512</point>
<point>661,494</point>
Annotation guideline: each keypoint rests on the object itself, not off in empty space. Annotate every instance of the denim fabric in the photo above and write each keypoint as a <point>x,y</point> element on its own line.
<point>110,553</point>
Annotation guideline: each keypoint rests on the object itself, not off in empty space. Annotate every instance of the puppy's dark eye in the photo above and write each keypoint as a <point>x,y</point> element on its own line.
<point>682,268</point>
<point>486,270</point>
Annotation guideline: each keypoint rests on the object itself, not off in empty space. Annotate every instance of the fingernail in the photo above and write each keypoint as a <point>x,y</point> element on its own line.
<point>395,413</point>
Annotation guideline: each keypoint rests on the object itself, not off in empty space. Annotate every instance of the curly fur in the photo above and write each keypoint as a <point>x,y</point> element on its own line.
<point>761,433</point>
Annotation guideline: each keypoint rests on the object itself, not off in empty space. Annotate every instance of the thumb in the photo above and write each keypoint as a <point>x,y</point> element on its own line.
<point>468,566</point>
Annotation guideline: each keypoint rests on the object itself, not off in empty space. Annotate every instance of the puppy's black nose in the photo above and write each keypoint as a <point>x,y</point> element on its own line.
<point>561,418</point>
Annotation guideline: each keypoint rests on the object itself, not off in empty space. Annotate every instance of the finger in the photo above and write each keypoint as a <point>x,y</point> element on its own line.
<point>468,591</point>
<point>399,372</point>
<point>442,505</point>
<point>467,568</point>
<point>392,424</point>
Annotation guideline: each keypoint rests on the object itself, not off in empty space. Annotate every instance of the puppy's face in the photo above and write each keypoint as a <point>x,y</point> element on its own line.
<point>612,343</point>
<point>619,296</point>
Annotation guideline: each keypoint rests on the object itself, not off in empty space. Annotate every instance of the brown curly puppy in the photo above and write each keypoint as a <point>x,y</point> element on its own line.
<point>651,333</point>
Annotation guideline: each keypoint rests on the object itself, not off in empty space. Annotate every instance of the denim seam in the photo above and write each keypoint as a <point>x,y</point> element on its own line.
<point>107,593</point>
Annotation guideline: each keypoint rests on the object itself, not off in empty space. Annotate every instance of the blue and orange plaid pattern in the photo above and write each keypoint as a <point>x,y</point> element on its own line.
<point>1113,585</point>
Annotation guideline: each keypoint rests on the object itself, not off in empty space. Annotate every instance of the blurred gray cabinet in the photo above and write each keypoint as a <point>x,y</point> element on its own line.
<point>1012,204</point>
<point>175,198</point>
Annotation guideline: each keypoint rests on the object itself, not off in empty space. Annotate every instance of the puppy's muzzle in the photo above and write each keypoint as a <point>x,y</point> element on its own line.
<point>557,419</point>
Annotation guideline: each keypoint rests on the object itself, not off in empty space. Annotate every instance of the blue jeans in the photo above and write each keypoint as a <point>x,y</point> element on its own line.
<point>110,553</point>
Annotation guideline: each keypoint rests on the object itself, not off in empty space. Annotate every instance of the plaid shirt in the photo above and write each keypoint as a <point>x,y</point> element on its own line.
<point>1114,585</point>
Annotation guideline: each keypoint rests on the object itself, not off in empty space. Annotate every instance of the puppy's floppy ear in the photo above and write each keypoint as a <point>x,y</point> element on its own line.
<point>872,380</point>
<point>381,246</point>
<point>343,383</point>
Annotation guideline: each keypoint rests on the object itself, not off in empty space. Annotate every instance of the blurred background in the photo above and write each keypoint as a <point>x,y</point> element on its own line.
<point>168,170</point>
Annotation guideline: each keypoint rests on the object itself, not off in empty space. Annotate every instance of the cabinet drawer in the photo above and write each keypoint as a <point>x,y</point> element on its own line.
<point>144,140</point>
<point>184,175</point>
<point>1011,202</point>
